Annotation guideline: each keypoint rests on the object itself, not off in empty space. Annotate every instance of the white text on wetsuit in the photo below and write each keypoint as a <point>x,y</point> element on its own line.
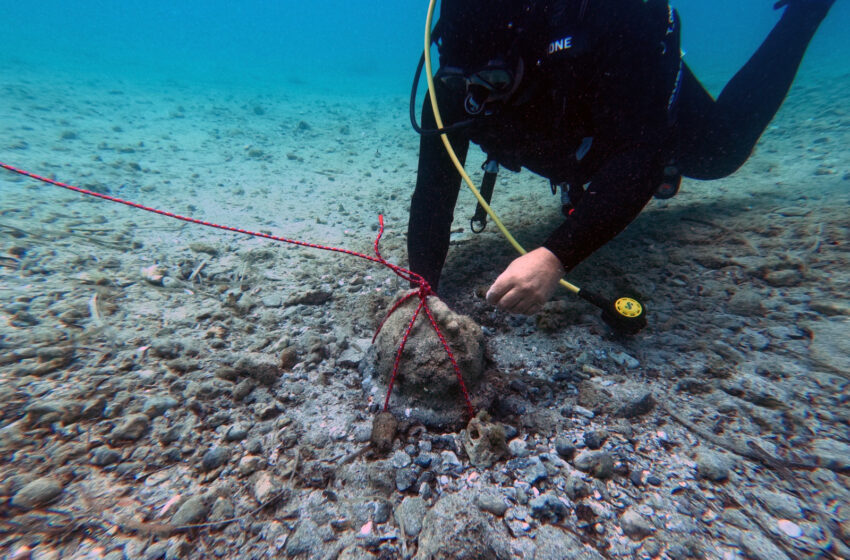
<point>560,45</point>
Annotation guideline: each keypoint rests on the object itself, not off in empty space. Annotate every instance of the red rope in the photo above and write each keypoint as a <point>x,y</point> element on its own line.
<point>423,291</point>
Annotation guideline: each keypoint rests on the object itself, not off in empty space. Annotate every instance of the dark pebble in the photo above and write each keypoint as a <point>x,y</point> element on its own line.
<point>653,480</point>
<point>214,458</point>
<point>595,439</point>
<point>406,478</point>
<point>566,450</point>
<point>236,432</point>
<point>638,407</point>
<point>104,456</point>
<point>424,460</point>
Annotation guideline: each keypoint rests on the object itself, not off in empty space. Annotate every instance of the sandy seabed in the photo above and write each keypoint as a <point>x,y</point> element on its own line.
<point>156,375</point>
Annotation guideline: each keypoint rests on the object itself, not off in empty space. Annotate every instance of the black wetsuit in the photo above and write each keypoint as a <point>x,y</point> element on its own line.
<point>611,114</point>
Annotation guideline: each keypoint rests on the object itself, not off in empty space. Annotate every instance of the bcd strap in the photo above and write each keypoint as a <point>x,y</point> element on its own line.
<point>478,222</point>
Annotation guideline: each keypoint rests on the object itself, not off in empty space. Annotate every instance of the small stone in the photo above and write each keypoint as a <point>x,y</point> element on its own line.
<point>790,528</point>
<point>406,478</point>
<point>548,507</point>
<point>249,464</point>
<point>38,492</point>
<point>576,488</point>
<point>133,427</point>
<point>410,513</point>
<point>384,428</point>
<point>518,447</point>
<point>595,439</point>
<point>191,511</point>
<point>635,526</point>
<point>490,501</point>
<point>424,460</point>
<point>832,454</point>
<point>784,278</point>
<point>637,407</point>
<point>156,406</point>
<point>243,389</point>
<point>264,487</point>
<point>400,459</point>
<point>267,410</point>
<point>103,456</point>
<point>528,469</point>
<point>222,509</point>
<point>156,551</point>
<point>237,432</point>
<point>565,449</point>
<point>449,461</point>
<point>624,359</point>
<point>713,466</point>
<point>214,458</point>
<point>600,464</point>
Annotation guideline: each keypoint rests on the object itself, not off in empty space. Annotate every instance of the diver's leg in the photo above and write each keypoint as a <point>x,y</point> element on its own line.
<point>713,139</point>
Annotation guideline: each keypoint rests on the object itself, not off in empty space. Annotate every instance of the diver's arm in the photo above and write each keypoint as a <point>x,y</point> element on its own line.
<point>434,198</point>
<point>614,198</point>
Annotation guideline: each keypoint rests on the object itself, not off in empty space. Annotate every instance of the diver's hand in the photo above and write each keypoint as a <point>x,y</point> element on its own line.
<point>527,283</point>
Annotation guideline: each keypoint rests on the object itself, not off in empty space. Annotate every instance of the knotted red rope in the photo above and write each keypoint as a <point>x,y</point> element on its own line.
<point>422,292</point>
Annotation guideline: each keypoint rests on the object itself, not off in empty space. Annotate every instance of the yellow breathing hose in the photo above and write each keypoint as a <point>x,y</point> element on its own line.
<point>429,74</point>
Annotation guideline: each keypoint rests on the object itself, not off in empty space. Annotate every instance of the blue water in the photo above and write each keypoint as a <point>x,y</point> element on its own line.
<point>326,45</point>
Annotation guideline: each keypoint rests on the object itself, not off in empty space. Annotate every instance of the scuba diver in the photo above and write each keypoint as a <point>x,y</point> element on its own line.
<point>594,96</point>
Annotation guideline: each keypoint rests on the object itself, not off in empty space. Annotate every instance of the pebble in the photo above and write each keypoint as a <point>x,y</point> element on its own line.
<point>157,406</point>
<point>265,487</point>
<point>790,528</point>
<point>249,464</point>
<point>156,551</point>
<point>409,514</point>
<point>548,507</point>
<point>424,460</point>
<point>576,488</point>
<point>243,389</point>
<point>214,458</point>
<point>518,447</point>
<point>406,478</point>
<point>132,428</point>
<point>635,526</point>
<point>582,411</point>
<point>528,469</point>
<point>565,449</point>
<point>104,456</point>
<point>623,359</point>
<point>237,432</point>
<point>713,466</point>
<point>400,459</point>
<point>595,439</point>
<point>598,463</point>
<point>492,502</point>
<point>449,461</point>
<point>193,510</point>
<point>38,492</point>
<point>637,407</point>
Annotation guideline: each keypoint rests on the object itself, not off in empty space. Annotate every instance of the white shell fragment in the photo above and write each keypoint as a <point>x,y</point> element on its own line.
<point>790,528</point>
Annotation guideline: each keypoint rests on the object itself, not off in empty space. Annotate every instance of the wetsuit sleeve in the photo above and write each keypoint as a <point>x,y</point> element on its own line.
<point>435,195</point>
<point>617,194</point>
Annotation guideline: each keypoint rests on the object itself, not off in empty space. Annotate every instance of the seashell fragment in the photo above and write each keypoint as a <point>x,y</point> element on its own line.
<point>153,274</point>
<point>790,528</point>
